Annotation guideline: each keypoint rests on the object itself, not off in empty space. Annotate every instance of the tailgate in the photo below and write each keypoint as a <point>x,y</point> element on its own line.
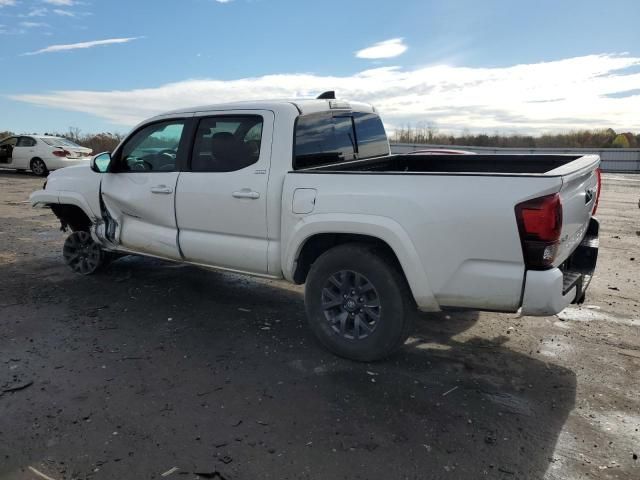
<point>578,195</point>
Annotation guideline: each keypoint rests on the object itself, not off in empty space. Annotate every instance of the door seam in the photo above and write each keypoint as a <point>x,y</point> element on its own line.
<point>175,215</point>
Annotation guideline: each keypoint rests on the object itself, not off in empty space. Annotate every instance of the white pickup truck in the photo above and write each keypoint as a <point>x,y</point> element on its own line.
<point>308,191</point>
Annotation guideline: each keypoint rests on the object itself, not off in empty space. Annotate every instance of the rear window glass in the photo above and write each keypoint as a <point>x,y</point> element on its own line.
<point>322,138</point>
<point>372,139</point>
<point>59,142</point>
<point>328,137</point>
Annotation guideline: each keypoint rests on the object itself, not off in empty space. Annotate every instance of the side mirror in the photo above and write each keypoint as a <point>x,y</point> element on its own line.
<point>100,163</point>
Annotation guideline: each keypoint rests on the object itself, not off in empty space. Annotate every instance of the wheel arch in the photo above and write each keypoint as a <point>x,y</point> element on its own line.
<point>320,243</point>
<point>72,217</point>
<point>315,236</point>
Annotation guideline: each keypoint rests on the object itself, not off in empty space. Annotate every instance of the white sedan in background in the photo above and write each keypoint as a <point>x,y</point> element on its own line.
<point>41,153</point>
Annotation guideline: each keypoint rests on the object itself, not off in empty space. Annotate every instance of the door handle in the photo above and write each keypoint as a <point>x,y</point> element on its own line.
<point>161,189</point>
<point>246,193</point>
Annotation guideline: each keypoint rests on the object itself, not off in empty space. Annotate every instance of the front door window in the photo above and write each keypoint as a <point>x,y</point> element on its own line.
<point>154,148</point>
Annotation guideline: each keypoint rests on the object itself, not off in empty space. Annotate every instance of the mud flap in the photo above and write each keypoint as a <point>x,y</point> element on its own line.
<point>578,270</point>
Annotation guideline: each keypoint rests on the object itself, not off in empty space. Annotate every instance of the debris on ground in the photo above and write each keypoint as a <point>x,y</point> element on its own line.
<point>449,391</point>
<point>18,387</point>
<point>170,471</point>
<point>40,474</point>
<point>214,475</point>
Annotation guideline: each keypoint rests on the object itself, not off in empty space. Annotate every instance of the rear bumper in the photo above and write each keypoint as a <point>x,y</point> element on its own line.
<point>547,292</point>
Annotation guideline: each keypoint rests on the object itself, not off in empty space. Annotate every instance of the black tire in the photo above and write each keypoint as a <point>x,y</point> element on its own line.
<point>38,167</point>
<point>367,333</point>
<point>82,254</point>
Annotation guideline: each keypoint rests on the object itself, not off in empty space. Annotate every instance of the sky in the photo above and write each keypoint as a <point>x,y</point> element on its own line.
<point>506,66</point>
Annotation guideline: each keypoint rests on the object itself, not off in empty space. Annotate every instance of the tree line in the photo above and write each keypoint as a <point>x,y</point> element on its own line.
<point>605,138</point>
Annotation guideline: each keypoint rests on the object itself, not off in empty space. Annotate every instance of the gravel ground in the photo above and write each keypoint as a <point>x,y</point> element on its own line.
<point>150,366</point>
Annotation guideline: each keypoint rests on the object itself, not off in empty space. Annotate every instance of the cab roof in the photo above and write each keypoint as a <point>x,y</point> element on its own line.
<point>304,106</point>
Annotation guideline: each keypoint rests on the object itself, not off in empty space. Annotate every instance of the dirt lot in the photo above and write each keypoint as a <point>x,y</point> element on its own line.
<point>152,365</point>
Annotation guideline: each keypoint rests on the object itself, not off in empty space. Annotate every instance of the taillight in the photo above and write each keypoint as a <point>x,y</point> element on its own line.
<point>599,177</point>
<point>540,223</point>
<point>61,153</point>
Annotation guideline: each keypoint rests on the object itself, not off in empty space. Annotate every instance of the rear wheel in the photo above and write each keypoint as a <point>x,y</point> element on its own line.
<point>358,302</point>
<point>38,167</point>
<point>82,254</point>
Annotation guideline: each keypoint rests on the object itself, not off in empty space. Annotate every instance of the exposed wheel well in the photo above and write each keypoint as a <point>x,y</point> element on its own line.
<point>71,216</point>
<point>318,244</point>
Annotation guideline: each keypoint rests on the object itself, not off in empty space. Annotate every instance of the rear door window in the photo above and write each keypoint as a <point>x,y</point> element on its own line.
<point>26,142</point>
<point>227,143</point>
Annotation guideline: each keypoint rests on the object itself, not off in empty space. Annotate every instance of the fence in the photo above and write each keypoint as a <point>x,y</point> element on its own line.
<point>622,160</point>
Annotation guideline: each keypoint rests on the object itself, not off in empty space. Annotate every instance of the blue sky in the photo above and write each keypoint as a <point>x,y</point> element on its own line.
<point>492,65</point>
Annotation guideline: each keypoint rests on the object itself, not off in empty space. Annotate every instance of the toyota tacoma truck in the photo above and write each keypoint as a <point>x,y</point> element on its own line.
<point>308,191</point>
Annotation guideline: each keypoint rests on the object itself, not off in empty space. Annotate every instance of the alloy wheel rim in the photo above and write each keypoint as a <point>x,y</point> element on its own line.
<point>351,305</point>
<point>81,253</point>
<point>38,167</point>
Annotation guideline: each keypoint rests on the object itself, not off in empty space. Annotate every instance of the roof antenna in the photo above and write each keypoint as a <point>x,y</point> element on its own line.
<point>329,95</point>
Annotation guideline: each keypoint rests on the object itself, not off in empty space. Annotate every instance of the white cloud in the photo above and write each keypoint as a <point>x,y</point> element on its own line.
<point>549,96</point>
<point>81,45</point>
<point>68,13</point>
<point>224,1</point>
<point>33,24</point>
<point>387,49</point>
<point>7,3</point>
<point>64,3</point>
<point>63,13</point>
<point>36,12</point>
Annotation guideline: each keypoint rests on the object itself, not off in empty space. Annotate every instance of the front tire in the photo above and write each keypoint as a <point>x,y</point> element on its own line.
<point>82,254</point>
<point>358,302</point>
<point>38,167</point>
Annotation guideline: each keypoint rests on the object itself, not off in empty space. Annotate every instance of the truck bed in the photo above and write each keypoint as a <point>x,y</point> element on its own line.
<point>488,164</point>
<point>458,209</point>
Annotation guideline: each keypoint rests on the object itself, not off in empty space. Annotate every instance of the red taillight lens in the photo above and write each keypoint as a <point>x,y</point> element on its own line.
<point>540,223</point>
<point>542,217</point>
<point>61,153</point>
<point>599,177</point>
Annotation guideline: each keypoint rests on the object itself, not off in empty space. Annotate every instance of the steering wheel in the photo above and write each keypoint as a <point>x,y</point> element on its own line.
<point>148,166</point>
<point>168,151</point>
